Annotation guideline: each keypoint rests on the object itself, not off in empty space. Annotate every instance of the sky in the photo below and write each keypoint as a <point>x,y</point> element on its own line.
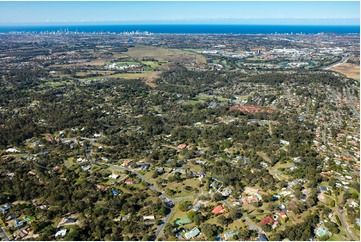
<point>28,13</point>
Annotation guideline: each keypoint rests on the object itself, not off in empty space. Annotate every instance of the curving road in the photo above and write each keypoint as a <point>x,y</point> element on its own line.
<point>342,219</point>
<point>152,187</point>
<point>343,60</point>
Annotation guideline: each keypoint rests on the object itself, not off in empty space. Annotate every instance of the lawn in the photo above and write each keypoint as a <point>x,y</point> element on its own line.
<point>55,83</point>
<point>236,225</point>
<point>192,102</point>
<point>155,64</point>
<point>179,188</point>
<point>127,63</point>
<point>279,165</point>
<point>336,237</point>
<point>146,75</point>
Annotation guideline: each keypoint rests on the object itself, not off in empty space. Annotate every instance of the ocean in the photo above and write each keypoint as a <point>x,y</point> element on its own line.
<point>191,29</point>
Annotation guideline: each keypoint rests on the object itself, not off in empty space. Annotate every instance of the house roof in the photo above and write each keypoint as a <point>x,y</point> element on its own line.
<point>197,207</point>
<point>267,220</point>
<point>262,237</point>
<point>181,221</point>
<point>70,220</point>
<point>193,233</point>
<point>182,146</point>
<point>115,192</point>
<point>229,235</point>
<point>61,232</point>
<point>18,223</point>
<point>217,209</point>
<point>322,188</point>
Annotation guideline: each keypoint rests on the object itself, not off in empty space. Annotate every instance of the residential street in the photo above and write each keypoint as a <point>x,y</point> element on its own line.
<point>3,235</point>
<point>342,219</point>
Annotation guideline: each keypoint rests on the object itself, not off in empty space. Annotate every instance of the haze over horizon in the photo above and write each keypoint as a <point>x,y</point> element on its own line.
<point>82,13</point>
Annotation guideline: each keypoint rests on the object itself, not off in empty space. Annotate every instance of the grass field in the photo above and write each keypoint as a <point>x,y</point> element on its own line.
<point>208,97</point>
<point>336,237</point>
<point>192,102</point>
<point>278,165</point>
<point>147,75</point>
<point>156,65</point>
<point>165,54</point>
<point>349,70</point>
<point>55,83</point>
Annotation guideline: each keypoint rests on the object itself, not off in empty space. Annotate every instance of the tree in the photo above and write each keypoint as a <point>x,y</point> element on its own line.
<point>209,230</point>
<point>197,219</point>
<point>217,197</point>
<point>185,206</point>
<point>222,220</point>
<point>191,214</point>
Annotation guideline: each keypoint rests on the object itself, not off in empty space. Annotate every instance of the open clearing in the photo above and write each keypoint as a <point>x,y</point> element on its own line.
<point>165,54</point>
<point>350,70</point>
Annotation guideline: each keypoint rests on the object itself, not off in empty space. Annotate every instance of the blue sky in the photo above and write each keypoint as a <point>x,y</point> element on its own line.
<point>179,12</point>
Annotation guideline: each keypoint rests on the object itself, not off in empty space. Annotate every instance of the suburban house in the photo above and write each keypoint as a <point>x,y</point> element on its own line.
<point>261,237</point>
<point>229,235</point>
<point>249,200</point>
<point>197,207</point>
<point>115,192</point>
<point>70,220</point>
<point>226,192</point>
<point>201,174</point>
<point>12,150</point>
<point>179,170</point>
<point>150,217</point>
<point>49,138</point>
<point>282,206</point>
<point>61,233</point>
<point>129,181</point>
<point>143,167</point>
<point>182,146</point>
<point>86,168</point>
<point>282,214</point>
<point>102,188</point>
<point>201,162</point>
<point>182,221</point>
<point>126,163</point>
<point>5,208</point>
<point>267,220</point>
<point>323,189</point>
<point>114,176</point>
<point>193,233</point>
<point>10,217</point>
<point>218,209</point>
<point>18,223</point>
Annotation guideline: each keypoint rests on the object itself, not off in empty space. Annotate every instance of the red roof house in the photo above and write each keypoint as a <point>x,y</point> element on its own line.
<point>282,214</point>
<point>267,220</point>
<point>102,188</point>
<point>218,209</point>
<point>49,138</point>
<point>182,146</point>
<point>126,162</point>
